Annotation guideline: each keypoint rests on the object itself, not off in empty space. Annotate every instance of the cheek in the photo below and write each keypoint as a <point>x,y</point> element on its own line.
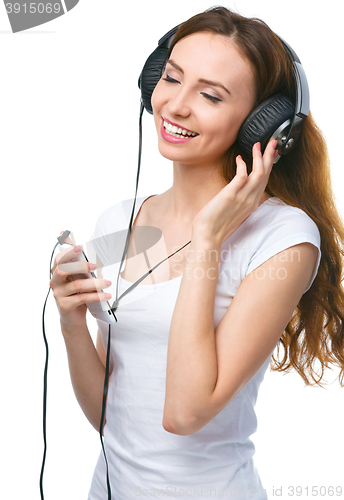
<point>156,101</point>
<point>231,127</point>
<point>156,98</point>
<point>224,132</point>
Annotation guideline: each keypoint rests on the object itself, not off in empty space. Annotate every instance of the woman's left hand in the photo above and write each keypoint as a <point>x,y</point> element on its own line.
<point>224,214</point>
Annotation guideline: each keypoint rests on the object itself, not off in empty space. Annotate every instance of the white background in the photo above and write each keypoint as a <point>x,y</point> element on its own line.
<point>69,137</point>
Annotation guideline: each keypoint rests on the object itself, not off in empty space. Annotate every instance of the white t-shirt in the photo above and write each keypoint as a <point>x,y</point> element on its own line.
<point>144,459</point>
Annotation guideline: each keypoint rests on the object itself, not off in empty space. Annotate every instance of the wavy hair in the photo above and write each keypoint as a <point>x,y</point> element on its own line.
<point>302,179</point>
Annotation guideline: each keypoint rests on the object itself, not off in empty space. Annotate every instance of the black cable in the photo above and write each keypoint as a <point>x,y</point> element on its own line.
<point>113,308</point>
<point>115,304</point>
<point>45,387</point>
<point>45,383</point>
<point>102,418</point>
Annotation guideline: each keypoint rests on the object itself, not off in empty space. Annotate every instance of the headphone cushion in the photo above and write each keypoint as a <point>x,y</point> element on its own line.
<point>151,74</point>
<point>264,120</point>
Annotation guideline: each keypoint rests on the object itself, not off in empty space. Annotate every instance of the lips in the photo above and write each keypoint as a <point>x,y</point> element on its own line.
<point>174,133</point>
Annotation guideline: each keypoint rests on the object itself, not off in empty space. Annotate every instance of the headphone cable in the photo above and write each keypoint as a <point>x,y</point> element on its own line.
<point>45,382</point>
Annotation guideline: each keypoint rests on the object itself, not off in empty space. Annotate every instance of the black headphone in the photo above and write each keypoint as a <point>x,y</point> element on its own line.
<point>275,118</point>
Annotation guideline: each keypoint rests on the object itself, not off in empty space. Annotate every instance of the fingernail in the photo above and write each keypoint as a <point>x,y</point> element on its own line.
<point>107,296</point>
<point>77,249</point>
<point>274,143</point>
<point>108,283</point>
<point>276,153</point>
<point>239,157</point>
<point>258,146</point>
<point>91,267</point>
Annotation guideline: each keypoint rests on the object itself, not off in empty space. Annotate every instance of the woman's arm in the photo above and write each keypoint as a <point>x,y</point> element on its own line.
<point>207,368</point>
<point>87,371</point>
<point>86,365</point>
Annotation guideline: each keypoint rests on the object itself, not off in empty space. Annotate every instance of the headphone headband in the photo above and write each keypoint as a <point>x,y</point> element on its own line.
<point>169,36</point>
<point>301,83</point>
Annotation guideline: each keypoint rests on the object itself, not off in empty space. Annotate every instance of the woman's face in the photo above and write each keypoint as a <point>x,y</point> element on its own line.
<point>207,89</point>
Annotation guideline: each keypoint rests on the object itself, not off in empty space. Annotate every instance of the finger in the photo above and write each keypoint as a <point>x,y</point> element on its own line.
<point>257,165</point>
<point>270,153</point>
<point>65,256</point>
<point>71,271</point>
<point>78,267</point>
<point>241,173</point>
<point>86,285</point>
<point>241,166</point>
<point>68,239</point>
<point>59,256</point>
<point>68,261</point>
<point>70,303</point>
<point>257,151</point>
<point>68,254</point>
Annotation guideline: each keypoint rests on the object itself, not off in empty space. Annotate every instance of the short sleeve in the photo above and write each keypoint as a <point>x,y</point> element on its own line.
<point>97,239</point>
<point>289,227</point>
<point>109,236</point>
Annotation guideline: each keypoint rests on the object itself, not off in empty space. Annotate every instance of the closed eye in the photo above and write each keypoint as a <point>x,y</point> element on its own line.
<point>169,79</point>
<point>211,97</point>
<point>207,96</point>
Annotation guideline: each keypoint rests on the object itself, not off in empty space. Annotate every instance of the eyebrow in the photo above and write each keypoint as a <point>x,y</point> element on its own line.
<point>201,80</point>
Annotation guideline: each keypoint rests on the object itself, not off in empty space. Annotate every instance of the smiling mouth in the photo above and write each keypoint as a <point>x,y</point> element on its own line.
<point>180,133</point>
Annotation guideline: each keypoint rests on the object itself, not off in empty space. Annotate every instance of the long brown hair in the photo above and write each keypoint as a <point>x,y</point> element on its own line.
<point>301,179</point>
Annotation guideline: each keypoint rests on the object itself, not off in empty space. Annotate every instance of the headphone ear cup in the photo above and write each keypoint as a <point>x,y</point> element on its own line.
<point>264,121</point>
<point>151,74</point>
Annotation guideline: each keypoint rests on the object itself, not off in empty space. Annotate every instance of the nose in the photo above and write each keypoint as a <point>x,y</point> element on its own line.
<point>179,104</point>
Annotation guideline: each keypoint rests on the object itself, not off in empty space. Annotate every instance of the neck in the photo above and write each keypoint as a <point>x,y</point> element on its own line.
<point>192,189</point>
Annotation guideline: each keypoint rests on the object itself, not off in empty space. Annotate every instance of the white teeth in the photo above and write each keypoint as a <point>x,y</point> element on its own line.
<point>177,132</point>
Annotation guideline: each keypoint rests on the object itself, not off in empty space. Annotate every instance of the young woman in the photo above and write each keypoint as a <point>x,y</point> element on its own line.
<point>194,339</point>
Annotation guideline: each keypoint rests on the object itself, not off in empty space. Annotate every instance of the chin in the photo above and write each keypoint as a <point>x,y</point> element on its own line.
<point>171,154</point>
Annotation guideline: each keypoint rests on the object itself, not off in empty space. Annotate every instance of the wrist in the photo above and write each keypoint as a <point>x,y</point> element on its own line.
<point>203,257</point>
<point>73,329</point>
<point>204,240</point>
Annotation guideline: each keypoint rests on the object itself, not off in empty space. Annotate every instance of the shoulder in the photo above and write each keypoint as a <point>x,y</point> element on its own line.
<point>273,228</point>
<point>275,215</point>
<point>116,217</point>
<point>276,224</point>
<point>280,227</point>
<point>111,214</point>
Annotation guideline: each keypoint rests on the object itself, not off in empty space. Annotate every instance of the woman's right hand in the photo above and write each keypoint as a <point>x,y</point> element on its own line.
<point>71,291</point>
